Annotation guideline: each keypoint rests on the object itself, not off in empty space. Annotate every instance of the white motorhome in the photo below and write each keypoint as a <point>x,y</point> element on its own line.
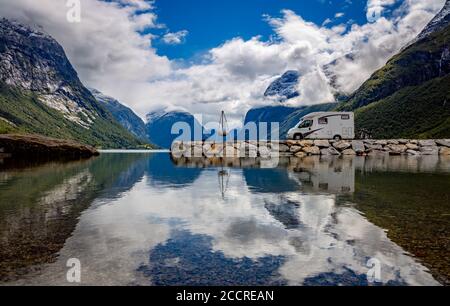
<point>324,125</point>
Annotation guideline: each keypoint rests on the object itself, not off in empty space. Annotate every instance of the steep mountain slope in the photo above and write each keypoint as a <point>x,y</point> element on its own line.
<point>40,92</point>
<point>159,126</point>
<point>124,115</point>
<point>409,96</point>
<point>439,23</point>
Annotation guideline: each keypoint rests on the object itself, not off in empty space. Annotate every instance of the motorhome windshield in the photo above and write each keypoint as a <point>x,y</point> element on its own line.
<point>305,124</point>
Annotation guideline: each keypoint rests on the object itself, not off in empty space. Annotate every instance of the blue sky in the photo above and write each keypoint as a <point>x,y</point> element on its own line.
<point>211,69</point>
<point>212,22</point>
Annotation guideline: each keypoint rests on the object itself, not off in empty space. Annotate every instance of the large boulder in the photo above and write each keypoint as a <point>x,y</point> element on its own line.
<point>381,142</point>
<point>322,143</point>
<point>329,151</point>
<point>429,150</point>
<point>358,147</point>
<point>443,142</point>
<point>306,143</point>
<point>295,149</point>
<point>342,145</point>
<point>444,151</point>
<point>427,143</point>
<point>397,148</point>
<point>412,146</point>
<point>348,152</point>
<point>372,147</point>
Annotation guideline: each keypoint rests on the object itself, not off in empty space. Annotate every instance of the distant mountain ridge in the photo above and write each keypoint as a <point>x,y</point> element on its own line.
<point>159,126</point>
<point>40,92</point>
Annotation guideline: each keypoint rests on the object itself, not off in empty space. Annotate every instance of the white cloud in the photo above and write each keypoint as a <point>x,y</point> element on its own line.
<point>110,55</point>
<point>175,38</point>
<point>105,47</point>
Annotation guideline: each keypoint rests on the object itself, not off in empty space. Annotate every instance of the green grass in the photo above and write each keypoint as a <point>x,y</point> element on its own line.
<point>412,112</point>
<point>25,111</point>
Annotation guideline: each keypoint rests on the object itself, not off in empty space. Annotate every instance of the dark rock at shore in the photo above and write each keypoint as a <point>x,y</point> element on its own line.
<point>36,146</point>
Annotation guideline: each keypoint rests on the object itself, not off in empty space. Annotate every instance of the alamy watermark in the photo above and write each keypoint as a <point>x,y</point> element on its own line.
<point>73,274</point>
<point>374,10</point>
<point>74,11</point>
<point>374,273</point>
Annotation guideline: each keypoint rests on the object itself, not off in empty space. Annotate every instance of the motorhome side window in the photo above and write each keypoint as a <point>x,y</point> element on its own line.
<point>323,120</point>
<point>345,117</point>
<point>305,124</point>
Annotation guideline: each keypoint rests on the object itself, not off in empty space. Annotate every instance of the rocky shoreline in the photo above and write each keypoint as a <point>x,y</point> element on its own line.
<point>301,148</point>
<point>40,147</point>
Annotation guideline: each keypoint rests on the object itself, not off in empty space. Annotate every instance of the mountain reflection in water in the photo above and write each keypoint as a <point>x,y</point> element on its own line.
<point>146,219</point>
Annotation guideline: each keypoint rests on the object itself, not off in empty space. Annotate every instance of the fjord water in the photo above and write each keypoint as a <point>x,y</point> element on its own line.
<point>144,219</point>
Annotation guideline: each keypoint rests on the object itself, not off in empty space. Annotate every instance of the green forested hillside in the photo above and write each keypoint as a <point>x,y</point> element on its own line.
<point>29,115</point>
<point>412,112</point>
<point>409,96</point>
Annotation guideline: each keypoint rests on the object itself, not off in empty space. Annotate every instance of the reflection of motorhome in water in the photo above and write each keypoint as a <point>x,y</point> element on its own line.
<point>324,125</point>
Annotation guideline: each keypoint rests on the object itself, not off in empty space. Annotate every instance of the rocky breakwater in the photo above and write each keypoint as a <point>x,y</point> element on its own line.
<point>38,147</point>
<point>303,148</point>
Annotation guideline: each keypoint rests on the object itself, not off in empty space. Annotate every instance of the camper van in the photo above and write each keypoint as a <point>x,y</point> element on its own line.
<point>324,125</point>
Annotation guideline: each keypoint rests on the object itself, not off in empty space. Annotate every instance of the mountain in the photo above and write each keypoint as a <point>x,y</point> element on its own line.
<point>40,92</point>
<point>410,96</point>
<point>285,87</point>
<point>159,127</point>
<point>124,115</point>
<point>438,23</point>
<point>287,117</point>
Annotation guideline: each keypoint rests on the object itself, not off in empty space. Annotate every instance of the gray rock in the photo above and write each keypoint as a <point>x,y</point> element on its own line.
<point>348,152</point>
<point>295,149</point>
<point>306,143</point>
<point>443,142</point>
<point>412,146</point>
<point>322,143</point>
<point>403,141</point>
<point>329,151</point>
<point>393,142</point>
<point>381,142</point>
<point>397,148</point>
<point>429,150</point>
<point>427,143</point>
<point>374,147</point>
<point>358,146</point>
<point>342,145</point>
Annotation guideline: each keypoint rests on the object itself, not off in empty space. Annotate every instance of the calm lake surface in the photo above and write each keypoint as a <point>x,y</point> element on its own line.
<point>143,219</point>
